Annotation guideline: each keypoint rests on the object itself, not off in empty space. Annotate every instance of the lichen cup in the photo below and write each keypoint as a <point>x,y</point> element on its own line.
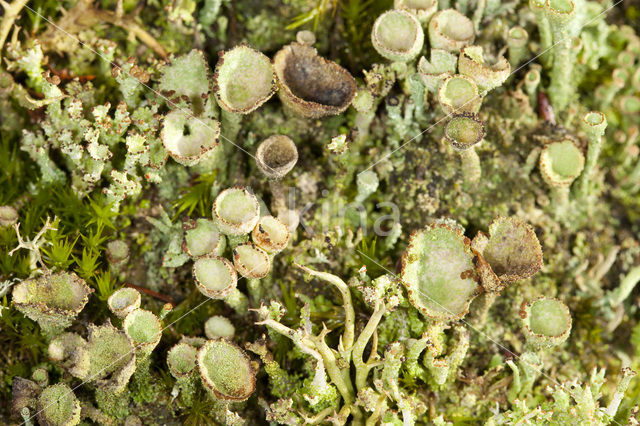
<point>58,406</point>
<point>517,39</point>
<point>561,162</point>
<point>464,132</point>
<point>181,360</point>
<point>422,9</point>
<point>69,351</point>
<point>118,255</point>
<point>276,156</point>
<point>124,301</point>
<point>511,252</point>
<point>310,85</point>
<point>52,300</point>
<point>487,76</point>
<point>440,65</point>
<point>251,261</point>
<point>546,322</point>
<point>219,326</point>
<point>112,357</point>
<point>450,30</point>
<point>459,94</point>
<point>271,234</point>
<point>397,36</point>
<point>226,370</point>
<point>144,330</point>
<point>202,237</point>
<point>215,276</point>
<point>8,216</point>
<point>438,272</point>
<point>236,211</point>
<point>243,80</point>
<point>190,140</point>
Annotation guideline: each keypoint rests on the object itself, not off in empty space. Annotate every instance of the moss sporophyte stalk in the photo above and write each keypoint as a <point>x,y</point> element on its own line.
<point>291,212</point>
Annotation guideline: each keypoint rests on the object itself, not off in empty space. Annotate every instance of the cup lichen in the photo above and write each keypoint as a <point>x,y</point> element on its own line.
<point>144,157</point>
<point>52,300</point>
<point>397,35</point>
<point>438,272</point>
<point>310,85</point>
<point>226,370</point>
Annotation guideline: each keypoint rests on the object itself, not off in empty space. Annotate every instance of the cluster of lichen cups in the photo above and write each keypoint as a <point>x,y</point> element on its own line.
<point>443,272</point>
<point>446,275</point>
<point>252,239</point>
<point>456,73</point>
<point>243,80</point>
<point>53,300</point>
<point>107,359</point>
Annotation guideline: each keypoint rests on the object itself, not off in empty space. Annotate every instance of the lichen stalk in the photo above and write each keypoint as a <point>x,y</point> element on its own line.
<point>594,123</point>
<point>471,169</point>
<point>347,304</point>
<point>364,367</point>
<point>562,86</point>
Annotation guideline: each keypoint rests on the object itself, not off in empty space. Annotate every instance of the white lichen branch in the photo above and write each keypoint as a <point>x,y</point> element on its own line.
<point>33,245</point>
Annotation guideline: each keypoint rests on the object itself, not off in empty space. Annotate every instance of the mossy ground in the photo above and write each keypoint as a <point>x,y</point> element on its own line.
<point>423,178</point>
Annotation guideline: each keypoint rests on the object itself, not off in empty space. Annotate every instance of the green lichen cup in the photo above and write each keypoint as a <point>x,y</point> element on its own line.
<point>236,211</point>
<point>202,237</point>
<point>189,140</point>
<point>226,370</point>
<point>243,80</point>
<point>440,65</point>
<point>124,301</point>
<point>397,35</point>
<point>143,329</point>
<point>271,234</point>
<point>546,322</point>
<point>181,360</point>
<point>487,76</point>
<point>438,272</point>
<point>560,163</point>
<point>421,9</point>
<point>112,356</point>
<point>219,326</point>
<point>52,300</point>
<point>459,94</point>
<point>58,406</point>
<point>215,276</point>
<point>251,261</point>
<point>450,30</point>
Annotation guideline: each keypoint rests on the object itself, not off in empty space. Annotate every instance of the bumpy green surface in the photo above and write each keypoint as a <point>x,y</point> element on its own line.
<point>548,317</point>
